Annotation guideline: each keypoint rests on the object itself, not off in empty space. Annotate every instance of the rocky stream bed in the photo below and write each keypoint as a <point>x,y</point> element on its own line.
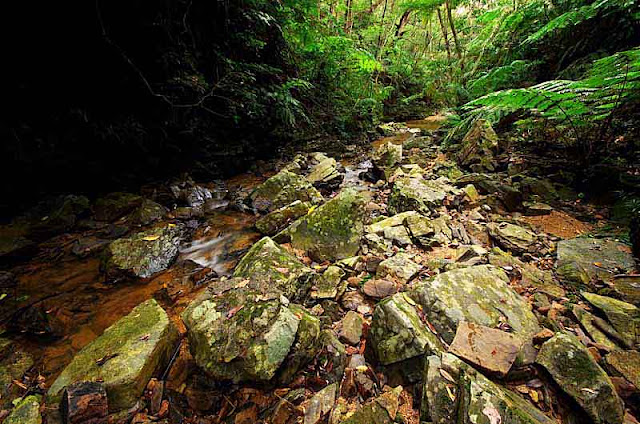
<point>404,283</point>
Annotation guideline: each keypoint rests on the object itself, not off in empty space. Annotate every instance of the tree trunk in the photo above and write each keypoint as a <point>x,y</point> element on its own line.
<point>455,35</point>
<point>445,34</point>
<point>348,17</point>
<point>403,21</point>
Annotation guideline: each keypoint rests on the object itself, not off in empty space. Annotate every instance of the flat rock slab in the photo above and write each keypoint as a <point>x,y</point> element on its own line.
<point>417,194</point>
<point>480,295</point>
<point>577,373</point>
<point>321,404</point>
<point>379,289</point>
<point>582,260</point>
<point>124,357</point>
<point>277,220</point>
<point>490,349</point>
<point>269,267</point>
<point>143,254</point>
<point>624,316</point>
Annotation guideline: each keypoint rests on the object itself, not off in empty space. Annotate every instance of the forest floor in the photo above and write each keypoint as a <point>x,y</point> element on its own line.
<point>390,285</point>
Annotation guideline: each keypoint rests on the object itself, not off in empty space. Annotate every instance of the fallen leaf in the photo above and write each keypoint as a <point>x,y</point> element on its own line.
<point>450,393</point>
<point>234,311</point>
<point>283,270</point>
<point>447,376</point>
<point>151,238</point>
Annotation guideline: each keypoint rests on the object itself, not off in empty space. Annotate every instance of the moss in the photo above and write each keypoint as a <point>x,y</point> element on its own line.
<point>27,411</point>
<point>283,189</point>
<point>124,356</point>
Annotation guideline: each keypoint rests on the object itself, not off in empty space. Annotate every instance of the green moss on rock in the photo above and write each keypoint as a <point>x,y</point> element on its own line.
<point>27,411</point>
<point>282,189</point>
<point>124,357</point>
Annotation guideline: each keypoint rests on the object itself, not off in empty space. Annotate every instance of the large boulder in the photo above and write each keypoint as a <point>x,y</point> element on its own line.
<point>577,373</point>
<point>143,254</point>
<point>398,333</point>
<point>124,357</point>
<point>268,267</point>
<point>333,230</point>
<point>283,189</point>
<point>582,260</point>
<point>243,335</point>
<point>116,205</point>
<point>417,194</point>
<point>448,379</point>
<point>277,220</point>
<point>478,294</point>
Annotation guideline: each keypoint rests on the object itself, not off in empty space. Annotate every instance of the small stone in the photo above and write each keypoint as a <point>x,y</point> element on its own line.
<point>351,330</point>
<point>399,267</point>
<point>321,404</point>
<point>535,209</point>
<point>85,402</point>
<point>490,349</point>
<point>379,289</point>
<point>329,285</point>
<point>512,237</point>
<point>542,336</point>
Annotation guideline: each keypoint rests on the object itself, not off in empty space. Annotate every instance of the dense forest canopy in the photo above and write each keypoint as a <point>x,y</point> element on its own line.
<point>135,90</point>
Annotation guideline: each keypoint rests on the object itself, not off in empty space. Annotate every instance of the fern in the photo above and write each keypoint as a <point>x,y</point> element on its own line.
<point>609,82</point>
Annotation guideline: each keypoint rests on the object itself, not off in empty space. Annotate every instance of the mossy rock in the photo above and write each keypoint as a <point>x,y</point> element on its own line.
<point>116,205</point>
<point>417,194</point>
<point>478,294</point>
<point>242,335</point>
<point>624,316</point>
<point>484,402</point>
<point>282,189</point>
<point>305,347</point>
<point>14,363</point>
<point>380,410</point>
<point>27,411</point>
<point>55,216</point>
<point>279,219</point>
<point>582,260</point>
<point>124,357</point>
<point>143,254</point>
<point>479,146</point>
<point>269,267</point>
<point>147,213</point>
<point>577,373</point>
<point>512,237</point>
<point>332,231</point>
<point>397,332</point>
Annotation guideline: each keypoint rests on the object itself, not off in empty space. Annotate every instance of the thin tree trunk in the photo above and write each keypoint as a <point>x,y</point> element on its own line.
<point>445,34</point>
<point>348,17</point>
<point>384,13</point>
<point>403,21</point>
<point>455,35</point>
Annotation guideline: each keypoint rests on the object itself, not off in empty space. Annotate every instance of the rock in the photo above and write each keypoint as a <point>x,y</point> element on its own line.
<point>190,194</point>
<point>271,268</point>
<point>54,216</point>
<point>625,363</point>
<point>492,350</point>
<point>332,231</point>
<point>530,276</point>
<point>418,194</point>
<point>399,268</point>
<point>351,330</point>
<point>381,410</point>
<point>324,172</point>
<point>536,209</point>
<point>148,212</point>
<point>581,260</point>
<point>592,326</point>
<point>471,193</point>
<point>478,294</point>
<point>624,316</point>
<point>14,363</point>
<point>397,235</point>
<point>14,244</point>
<point>305,347</point>
<point>85,403</point>
<point>27,411</point>
<point>124,357</point>
<point>448,379</point>
<point>512,237</point>
<point>321,404</point>
<point>379,289</point>
<point>334,354</point>
<point>143,254</point>
<point>240,335</point>
<point>397,332</point>
<point>283,189</point>
<point>279,219</point>
<point>627,287</point>
<point>479,146</point>
<point>385,157</point>
<point>116,205</point>
<point>330,285</point>
<point>393,221</point>
<point>576,372</point>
